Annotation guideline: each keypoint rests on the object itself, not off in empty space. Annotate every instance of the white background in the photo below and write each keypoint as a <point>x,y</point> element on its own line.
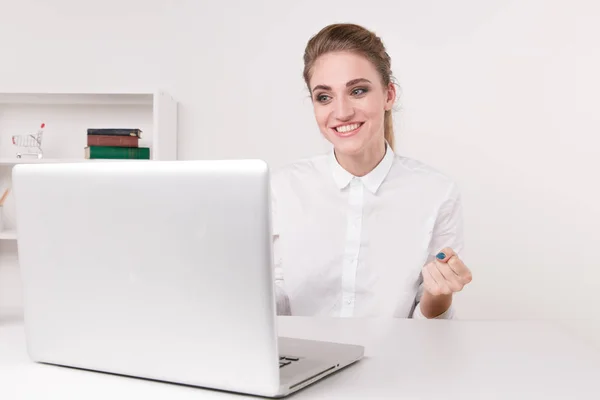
<point>501,95</point>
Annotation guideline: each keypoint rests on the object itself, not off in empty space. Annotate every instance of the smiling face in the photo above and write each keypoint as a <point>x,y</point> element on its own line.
<point>349,101</point>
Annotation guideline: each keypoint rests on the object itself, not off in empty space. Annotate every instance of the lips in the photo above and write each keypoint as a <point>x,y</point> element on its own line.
<point>347,129</point>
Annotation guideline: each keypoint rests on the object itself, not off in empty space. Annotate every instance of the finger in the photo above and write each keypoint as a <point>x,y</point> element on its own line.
<point>429,283</point>
<point>452,280</point>
<point>445,254</point>
<point>460,269</point>
<point>456,265</point>
<point>439,279</point>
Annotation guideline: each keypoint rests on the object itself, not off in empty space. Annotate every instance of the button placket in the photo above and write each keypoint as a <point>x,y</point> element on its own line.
<point>351,254</point>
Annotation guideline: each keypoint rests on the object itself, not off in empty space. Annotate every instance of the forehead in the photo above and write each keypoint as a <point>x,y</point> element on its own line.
<point>335,69</point>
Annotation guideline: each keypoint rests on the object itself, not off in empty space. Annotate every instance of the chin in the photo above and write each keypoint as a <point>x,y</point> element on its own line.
<point>349,146</point>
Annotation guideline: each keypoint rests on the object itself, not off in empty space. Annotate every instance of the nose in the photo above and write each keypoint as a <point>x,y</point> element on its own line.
<point>343,109</point>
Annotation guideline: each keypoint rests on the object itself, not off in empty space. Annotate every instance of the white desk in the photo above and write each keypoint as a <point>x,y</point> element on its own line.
<point>405,359</point>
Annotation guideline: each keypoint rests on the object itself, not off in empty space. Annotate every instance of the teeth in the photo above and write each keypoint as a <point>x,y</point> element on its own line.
<point>347,128</point>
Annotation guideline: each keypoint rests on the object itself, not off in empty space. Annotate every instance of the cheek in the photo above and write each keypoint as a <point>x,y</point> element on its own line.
<point>321,115</point>
<point>375,116</point>
<point>374,110</point>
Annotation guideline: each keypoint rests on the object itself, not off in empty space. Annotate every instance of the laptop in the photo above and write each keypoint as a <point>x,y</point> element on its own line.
<point>159,270</point>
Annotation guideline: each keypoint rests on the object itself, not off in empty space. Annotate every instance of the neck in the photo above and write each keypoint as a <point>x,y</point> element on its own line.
<point>363,163</point>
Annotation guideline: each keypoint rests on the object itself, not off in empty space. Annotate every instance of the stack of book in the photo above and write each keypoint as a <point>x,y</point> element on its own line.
<point>115,144</point>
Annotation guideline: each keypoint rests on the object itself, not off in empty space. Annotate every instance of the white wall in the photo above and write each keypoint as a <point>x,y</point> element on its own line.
<point>502,95</point>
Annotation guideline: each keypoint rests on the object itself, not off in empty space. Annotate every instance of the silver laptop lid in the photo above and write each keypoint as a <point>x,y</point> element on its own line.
<point>153,269</point>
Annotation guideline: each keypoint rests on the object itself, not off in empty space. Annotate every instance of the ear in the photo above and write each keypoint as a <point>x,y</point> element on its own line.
<point>390,96</point>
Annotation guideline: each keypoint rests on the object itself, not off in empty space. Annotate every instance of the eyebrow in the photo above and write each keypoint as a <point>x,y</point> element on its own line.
<point>349,83</point>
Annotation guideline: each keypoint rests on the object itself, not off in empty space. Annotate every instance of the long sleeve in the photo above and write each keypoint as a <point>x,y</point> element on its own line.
<point>283,303</point>
<point>282,300</point>
<point>447,232</point>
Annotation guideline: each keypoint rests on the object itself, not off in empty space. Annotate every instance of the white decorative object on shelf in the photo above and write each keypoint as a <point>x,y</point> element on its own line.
<point>30,144</point>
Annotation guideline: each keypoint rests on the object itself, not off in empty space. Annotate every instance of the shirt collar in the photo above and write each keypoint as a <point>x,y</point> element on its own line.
<point>372,180</point>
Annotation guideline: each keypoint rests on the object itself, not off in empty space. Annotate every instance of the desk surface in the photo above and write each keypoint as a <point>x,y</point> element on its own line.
<point>404,359</point>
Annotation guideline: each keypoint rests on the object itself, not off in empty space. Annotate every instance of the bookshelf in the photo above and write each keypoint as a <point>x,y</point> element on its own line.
<point>67,116</point>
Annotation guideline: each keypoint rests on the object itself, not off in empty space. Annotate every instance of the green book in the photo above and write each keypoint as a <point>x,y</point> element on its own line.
<point>113,152</point>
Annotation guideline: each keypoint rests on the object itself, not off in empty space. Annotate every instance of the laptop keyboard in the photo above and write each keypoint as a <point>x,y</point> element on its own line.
<point>287,360</point>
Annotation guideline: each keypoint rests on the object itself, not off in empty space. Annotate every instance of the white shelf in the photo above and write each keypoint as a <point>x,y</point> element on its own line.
<point>8,235</point>
<point>78,98</point>
<point>15,161</point>
<point>12,162</point>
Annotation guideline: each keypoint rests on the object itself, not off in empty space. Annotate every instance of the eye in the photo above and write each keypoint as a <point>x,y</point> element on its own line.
<point>359,91</point>
<point>322,98</point>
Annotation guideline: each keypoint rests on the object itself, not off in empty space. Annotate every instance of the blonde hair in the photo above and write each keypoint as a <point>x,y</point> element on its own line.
<point>356,39</point>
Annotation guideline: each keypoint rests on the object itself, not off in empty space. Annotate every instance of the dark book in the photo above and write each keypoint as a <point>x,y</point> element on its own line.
<point>115,152</point>
<point>112,141</point>
<point>115,132</point>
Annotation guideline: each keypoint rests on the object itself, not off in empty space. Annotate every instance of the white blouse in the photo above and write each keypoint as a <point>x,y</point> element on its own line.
<point>348,246</point>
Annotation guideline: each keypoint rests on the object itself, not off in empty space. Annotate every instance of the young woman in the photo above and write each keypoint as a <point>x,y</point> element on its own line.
<point>362,231</point>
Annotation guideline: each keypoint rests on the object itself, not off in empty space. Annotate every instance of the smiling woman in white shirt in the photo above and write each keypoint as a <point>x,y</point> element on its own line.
<point>362,231</point>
